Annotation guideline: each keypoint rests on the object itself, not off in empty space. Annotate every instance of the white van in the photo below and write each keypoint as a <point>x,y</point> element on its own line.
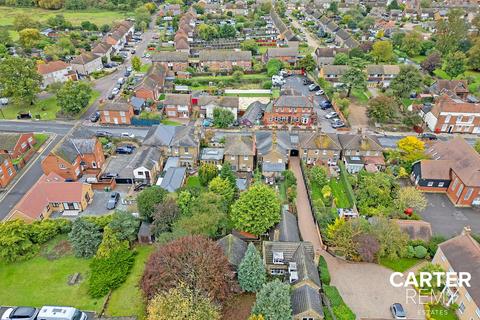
<point>60,313</point>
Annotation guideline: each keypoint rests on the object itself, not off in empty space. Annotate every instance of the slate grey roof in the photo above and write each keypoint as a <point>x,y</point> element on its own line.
<point>252,112</point>
<point>288,227</point>
<point>234,248</point>
<point>225,55</point>
<point>344,35</point>
<point>320,140</point>
<point>147,157</point>
<point>306,268</point>
<point>293,101</point>
<point>163,135</point>
<point>170,56</point>
<point>239,145</point>
<point>211,154</point>
<point>136,102</point>
<point>264,144</point>
<point>69,148</point>
<point>282,52</point>
<point>359,142</point>
<point>288,249</point>
<point>351,43</point>
<point>173,179</point>
<point>8,141</point>
<point>273,167</point>
<point>184,137</point>
<point>306,298</point>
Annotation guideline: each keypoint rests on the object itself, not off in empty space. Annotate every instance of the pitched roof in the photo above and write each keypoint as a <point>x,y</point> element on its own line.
<point>324,52</point>
<point>435,169</point>
<point>319,140</point>
<point>306,268</point>
<point>211,154</point>
<point>306,298</point>
<point>8,140</point>
<point>447,104</point>
<point>84,58</point>
<point>233,248</point>
<point>416,229</point>
<point>264,142</point>
<point>334,69</point>
<point>46,68</point>
<point>102,48</point>
<point>282,52</point>
<point>181,43</point>
<point>177,99</point>
<point>239,145</point>
<point>225,55</point>
<point>170,56</point>
<point>287,248</point>
<point>455,86</point>
<point>360,142</point>
<point>48,189</point>
<point>383,69</point>
<point>115,106</point>
<point>154,78</point>
<point>173,179</point>
<point>223,101</point>
<point>70,148</point>
<point>147,157</point>
<point>463,254</point>
<point>184,137</point>
<point>160,135</point>
<point>293,101</point>
<point>288,227</point>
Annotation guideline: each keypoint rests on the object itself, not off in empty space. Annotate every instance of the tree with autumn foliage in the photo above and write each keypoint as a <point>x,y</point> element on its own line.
<point>411,149</point>
<point>195,261</point>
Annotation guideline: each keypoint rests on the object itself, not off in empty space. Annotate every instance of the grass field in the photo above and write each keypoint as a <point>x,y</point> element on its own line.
<point>170,122</point>
<point>46,108</point>
<point>399,265</point>
<point>40,138</point>
<point>361,95</point>
<point>193,181</point>
<point>127,300</point>
<point>340,194</point>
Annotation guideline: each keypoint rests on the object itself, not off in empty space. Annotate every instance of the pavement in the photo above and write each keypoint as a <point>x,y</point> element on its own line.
<point>448,220</point>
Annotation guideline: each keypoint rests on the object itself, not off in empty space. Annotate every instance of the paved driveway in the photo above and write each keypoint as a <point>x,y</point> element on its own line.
<point>448,220</point>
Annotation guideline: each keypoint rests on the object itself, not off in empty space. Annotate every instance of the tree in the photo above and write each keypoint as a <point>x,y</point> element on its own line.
<point>410,197</point>
<point>407,81</point>
<point>354,77</point>
<point>382,51</point>
<point>110,243</point>
<point>432,62</point>
<point>181,303</point>
<point>340,59</point>
<point>166,213</point>
<point>341,235</point>
<point>256,210</point>
<point>142,15</point>
<point>195,261</point>
<point>136,63</point>
<point>367,247</point>
<point>412,43</point>
<point>227,31</point>
<point>5,37</point>
<point>411,149</point>
<point>393,5</point>
<point>374,193</point>
<point>318,176</point>
<point>473,55</point>
<point>24,21</point>
<point>28,38</point>
<point>15,241</point>
<point>206,173</point>
<point>125,225</point>
<point>307,63</point>
<point>273,301</point>
<point>393,241</point>
<point>223,118</point>
<point>382,109</point>
<point>148,199</point>
<point>273,67</point>
<point>85,238</point>
<point>451,32</point>
<point>74,96</point>
<point>251,272</point>
<point>250,45</point>
<point>207,32</point>
<point>223,188</point>
<point>455,64</point>
<point>227,173</point>
<point>397,39</point>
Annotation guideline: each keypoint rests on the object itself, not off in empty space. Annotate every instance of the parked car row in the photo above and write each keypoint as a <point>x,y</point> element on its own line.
<point>44,313</point>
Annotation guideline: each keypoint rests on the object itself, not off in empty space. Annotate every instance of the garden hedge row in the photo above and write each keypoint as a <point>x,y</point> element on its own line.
<point>340,309</point>
<point>348,186</point>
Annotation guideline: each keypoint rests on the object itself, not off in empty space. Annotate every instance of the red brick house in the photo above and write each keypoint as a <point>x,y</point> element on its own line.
<point>178,105</point>
<point>454,168</point>
<point>288,55</point>
<point>458,88</point>
<point>453,116</point>
<point>290,110</point>
<point>74,156</point>
<point>173,61</point>
<point>152,83</point>
<point>18,146</point>
<point>225,60</point>
<point>116,113</point>
<point>7,170</point>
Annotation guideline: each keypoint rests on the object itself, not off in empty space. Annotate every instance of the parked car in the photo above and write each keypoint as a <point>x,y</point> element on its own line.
<point>129,69</point>
<point>325,106</point>
<point>125,150</point>
<point>307,81</point>
<point>427,136</point>
<point>105,134</point>
<point>337,124</point>
<point>94,117</point>
<point>60,313</point>
<point>111,96</point>
<point>109,175</point>
<point>24,313</point>
<point>113,200</point>
<point>331,115</point>
<point>319,92</point>
<point>397,311</point>
<point>313,87</point>
<point>115,91</point>
<point>132,51</point>
<point>127,135</point>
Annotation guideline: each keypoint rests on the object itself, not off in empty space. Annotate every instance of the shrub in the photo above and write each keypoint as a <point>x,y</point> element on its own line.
<point>432,245</point>
<point>45,230</point>
<point>323,269</point>
<point>85,238</point>
<point>340,309</point>
<point>420,252</point>
<point>267,84</point>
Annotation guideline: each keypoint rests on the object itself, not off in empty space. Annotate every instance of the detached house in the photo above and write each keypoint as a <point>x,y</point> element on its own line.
<point>207,104</point>
<point>361,151</point>
<point>319,148</point>
<point>178,105</point>
<point>454,168</point>
<point>52,194</point>
<point>333,73</point>
<point>290,110</point>
<point>288,55</point>
<point>240,152</point>
<point>152,84</point>
<point>19,147</point>
<point>173,61</point>
<point>74,156</point>
<point>225,60</point>
<point>326,56</point>
<point>147,165</point>
<point>381,75</point>
<point>452,88</point>
<point>55,71</point>
<point>116,113</point>
<point>86,63</point>
<point>7,170</point>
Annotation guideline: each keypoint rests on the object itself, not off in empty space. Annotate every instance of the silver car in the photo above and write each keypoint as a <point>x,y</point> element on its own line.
<point>20,313</point>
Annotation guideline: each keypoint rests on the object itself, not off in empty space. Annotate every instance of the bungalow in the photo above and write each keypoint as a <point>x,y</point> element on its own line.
<point>103,50</point>
<point>288,55</point>
<point>319,148</point>
<point>240,152</point>
<point>326,56</point>
<point>360,151</point>
<point>178,105</point>
<point>55,71</point>
<point>225,60</point>
<point>51,194</point>
<point>333,73</point>
<point>7,170</point>
<point>173,61</point>
<point>74,156</point>
<point>381,75</point>
<point>17,146</point>
<point>452,88</point>
<point>152,83</point>
<point>86,63</point>
<point>453,168</point>
<point>174,179</point>
<point>146,165</point>
<point>290,110</point>
<point>116,113</point>
<point>207,104</point>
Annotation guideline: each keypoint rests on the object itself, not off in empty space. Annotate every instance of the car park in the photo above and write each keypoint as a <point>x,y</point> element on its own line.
<point>94,117</point>
<point>20,313</point>
<point>313,87</point>
<point>397,311</point>
<point>307,81</point>
<point>113,200</point>
<point>331,115</point>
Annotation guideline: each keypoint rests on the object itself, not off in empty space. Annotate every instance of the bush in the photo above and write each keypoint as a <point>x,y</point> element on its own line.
<point>432,245</point>
<point>267,84</point>
<point>340,309</point>
<point>420,252</point>
<point>45,230</point>
<point>323,269</point>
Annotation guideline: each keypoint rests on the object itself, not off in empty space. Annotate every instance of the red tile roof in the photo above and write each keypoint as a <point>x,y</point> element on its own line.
<point>46,68</point>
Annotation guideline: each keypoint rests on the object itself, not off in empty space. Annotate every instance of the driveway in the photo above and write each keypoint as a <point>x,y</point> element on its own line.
<point>365,287</point>
<point>448,220</point>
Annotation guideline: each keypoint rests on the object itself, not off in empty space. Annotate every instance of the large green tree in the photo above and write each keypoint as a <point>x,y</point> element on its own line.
<point>412,43</point>
<point>407,81</point>
<point>451,32</point>
<point>148,199</point>
<point>307,63</point>
<point>354,77</point>
<point>85,238</point>
<point>227,173</point>
<point>382,51</point>
<point>256,210</point>
<point>273,301</point>
<point>206,173</point>
<point>125,225</point>
<point>374,193</point>
<point>223,118</point>
<point>19,80</point>
<point>474,55</point>
<point>251,272</point>
<point>382,109</point>
<point>223,188</point>
<point>74,96</point>
<point>455,64</point>
<point>29,38</point>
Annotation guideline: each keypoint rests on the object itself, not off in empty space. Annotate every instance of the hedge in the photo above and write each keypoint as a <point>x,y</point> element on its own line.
<point>323,269</point>
<point>348,186</point>
<point>339,307</point>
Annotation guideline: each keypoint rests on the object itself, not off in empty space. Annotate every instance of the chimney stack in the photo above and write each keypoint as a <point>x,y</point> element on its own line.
<point>467,230</point>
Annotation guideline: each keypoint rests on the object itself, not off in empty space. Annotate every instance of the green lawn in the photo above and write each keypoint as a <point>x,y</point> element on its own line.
<point>316,192</point>
<point>47,108</point>
<point>441,74</point>
<point>40,138</point>
<point>38,282</point>
<point>399,265</point>
<point>170,122</point>
<point>361,95</point>
<point>340,194</point>
<point>282,190</point>
<point>418,59</point>
<point>144,68</point>
<point>439,312</point>
<point>193,181</point>
<point>249,95</point>
<point>127,300</point>
<point>407,102</point>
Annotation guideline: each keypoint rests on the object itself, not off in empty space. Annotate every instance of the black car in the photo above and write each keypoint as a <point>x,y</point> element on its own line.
<point>324,105</point>
<point>113,200</point>
<point>24,313</point>
<point>111,96</point>
<point>109,175</point>
<point>95,116</point>
<point>125,150</point>
<point>397,311</point>
<point>105,134</point>
<point>307,81</point>
<point>427,136</point>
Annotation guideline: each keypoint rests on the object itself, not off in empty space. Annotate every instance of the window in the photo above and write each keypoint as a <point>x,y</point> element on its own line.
<point>316,151</point>
<point>24,145</point>
<point>454,185</point>
<point>324,152</point>
<point>305,318</point>
<point>459,191</point>
<point>245,158</point>
<point>443,258</point>
<point>124,120</point>
<point>106,113</point>
<point>122,113</point>
<point>61,166</point>
<point>441,184</point>
<point>185,149</point>
<point>107,118</point>
<point>459,118</point>
<point>430,184</point>
<point>232,157</point>
<point>467,295</point>
<point>10,172</point>
<point>304,151</point>
<point>461,308</point>
<point>468,194</point>
<point>30,139</point>
<point>447,118</point>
